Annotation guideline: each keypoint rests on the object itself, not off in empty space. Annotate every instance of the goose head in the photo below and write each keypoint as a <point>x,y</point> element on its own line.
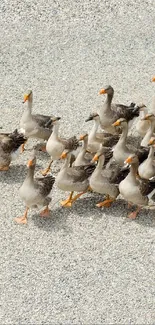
<point>28,97</point>
<point>93,116</point>
<point>106,90</point>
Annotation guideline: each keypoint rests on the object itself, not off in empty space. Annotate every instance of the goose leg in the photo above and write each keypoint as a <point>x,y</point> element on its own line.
<point>106,203</point>
<point>45,212</point>
<point>129,205</point>
<point>134,214</point>
<point>23,147</point>
<point>68,202</point>
<point>4,168</point>
<point>22,219</point>
<point>43,148</point>
<point>45,172</point>
<point>78,195</point>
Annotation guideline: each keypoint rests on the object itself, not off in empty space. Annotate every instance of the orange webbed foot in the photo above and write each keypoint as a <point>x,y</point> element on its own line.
<point>132,215</point>
<point>23,147</point>
<point>43,149</point>
<point>66,203</point>
<point>4,168</point>
<point>45,212</point>
<point>21,220</point>
<point>105,203</point>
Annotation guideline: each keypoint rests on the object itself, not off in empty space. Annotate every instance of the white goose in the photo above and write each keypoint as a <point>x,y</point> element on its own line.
<point>56,145</point>
<point>150,131</point>
<point>34,125</point>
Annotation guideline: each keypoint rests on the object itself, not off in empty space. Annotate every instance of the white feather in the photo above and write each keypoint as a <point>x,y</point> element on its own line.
<point>15,154</point>
<point>151,194</point>
<point>22,131</point>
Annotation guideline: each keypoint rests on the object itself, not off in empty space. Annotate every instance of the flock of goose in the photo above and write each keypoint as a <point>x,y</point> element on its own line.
<point>105,163</point>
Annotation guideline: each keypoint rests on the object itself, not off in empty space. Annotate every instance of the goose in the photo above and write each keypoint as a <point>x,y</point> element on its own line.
<point>110,112</point>
<point>34,125</point>
<point>142,125</point>
<point>73,179</point>
<point>134,190</point>
<point>83,157</point>
<point>122,150</point>
<point>56,144</point>
<point>95,138</point>
<point>10,143</point>
<point>146,169</point>
<point>150,131</point>
<point>105,180</point>
<point>35,191</point>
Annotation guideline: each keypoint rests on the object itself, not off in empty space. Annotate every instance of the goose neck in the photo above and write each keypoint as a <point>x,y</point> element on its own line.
<point>94,129</point>
<point>30,173</point>
<point>143,112</point>
<point>100,163</point>
<point>151,152</point>
<point>134,170</point>
<point>109,98</point>
<point>55,129</point>
<point>67,162</point>
<point>124,134</point>
<point>85,143</point>
<point>29,106</point>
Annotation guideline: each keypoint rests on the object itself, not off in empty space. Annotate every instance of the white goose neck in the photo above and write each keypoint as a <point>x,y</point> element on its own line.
<point>29,106</point>
<point>94,128</point>
<point>148,134</point>
<point>100,162</point>
<point>30,173</point>
<point>143,112</point>
<point>151,152</point>
<point>133,172</point>
<point>124,134</point>
<point>56,129</point>
<point>85,143</point>
<point>67,161</point>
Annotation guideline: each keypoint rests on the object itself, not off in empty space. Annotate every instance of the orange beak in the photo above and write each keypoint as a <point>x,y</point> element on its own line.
<point>146,117</point>
<point>128,160</point>
<point>30,163</point>
<point>152,141</point>
<point>25,98</point>
<point>95,158</point>
<point>102,91</point>
<point>63,155</point>
<point>81,137</point>
<point>153,79</point>
<point>116,123</point>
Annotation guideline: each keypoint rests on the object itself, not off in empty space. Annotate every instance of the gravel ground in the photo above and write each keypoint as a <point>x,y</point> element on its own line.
<point>82,265</point>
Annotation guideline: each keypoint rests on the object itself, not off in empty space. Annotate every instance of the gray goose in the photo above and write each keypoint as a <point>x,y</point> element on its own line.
<point>34,125</point>
<point>105,179</point>
<point>134,190</point>
<point>73,179</point>
<point>56,144</point>
<point>95,139</point>
<point>122,150</point>
<point>110,112</point>
<point>84,157</point>
<point>35,191</point>
<point>9,148</point>
<point>149,134</point>
<point>146,169</point>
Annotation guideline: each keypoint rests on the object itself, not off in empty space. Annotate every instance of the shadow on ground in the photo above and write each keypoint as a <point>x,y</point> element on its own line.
<point>86,208</point>
<point>15,174</point>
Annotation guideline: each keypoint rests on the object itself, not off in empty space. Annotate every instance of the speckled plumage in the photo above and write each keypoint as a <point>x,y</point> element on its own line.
<point>9,145</point>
